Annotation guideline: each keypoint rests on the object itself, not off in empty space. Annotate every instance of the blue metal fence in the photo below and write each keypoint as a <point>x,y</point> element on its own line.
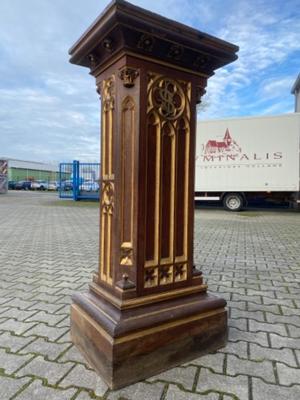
<point>79,180</point>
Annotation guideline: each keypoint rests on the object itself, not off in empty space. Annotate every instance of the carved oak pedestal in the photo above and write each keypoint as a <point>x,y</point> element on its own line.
<point>147,308</point>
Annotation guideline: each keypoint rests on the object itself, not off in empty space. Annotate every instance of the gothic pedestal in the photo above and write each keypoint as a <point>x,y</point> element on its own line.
<point>133,344</point>
<point>147,308</point>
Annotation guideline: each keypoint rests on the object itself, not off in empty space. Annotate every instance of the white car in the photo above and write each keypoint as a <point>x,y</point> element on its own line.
<point>89,186</point>
<point>52,185</point>
<point>39,185</point>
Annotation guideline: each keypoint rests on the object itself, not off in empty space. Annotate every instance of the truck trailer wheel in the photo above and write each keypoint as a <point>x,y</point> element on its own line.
<point>233,202</point>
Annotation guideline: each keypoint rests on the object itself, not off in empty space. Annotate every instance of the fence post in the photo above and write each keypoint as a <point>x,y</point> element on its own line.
<point>60,179</point>
<point>75,179</point>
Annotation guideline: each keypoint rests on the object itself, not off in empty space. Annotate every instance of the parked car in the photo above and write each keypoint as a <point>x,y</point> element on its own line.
<point>23,185</point>
<point>65,186</point>
<point>53,185</point>
<point>89,186</point>
<point>12,184</point>
<point>39,185</point>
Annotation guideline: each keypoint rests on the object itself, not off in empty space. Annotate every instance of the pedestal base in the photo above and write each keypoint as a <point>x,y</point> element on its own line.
<point>127,346</point>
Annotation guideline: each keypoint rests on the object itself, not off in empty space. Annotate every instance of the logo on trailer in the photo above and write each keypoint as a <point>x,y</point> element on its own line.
<point>227,146</point>
<point>228,150</point>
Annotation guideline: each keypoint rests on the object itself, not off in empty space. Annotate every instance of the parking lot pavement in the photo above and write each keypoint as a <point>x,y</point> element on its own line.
<point>48,251</point>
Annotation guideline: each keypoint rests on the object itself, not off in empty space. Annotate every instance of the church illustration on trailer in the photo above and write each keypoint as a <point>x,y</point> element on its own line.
<point>227,145</point>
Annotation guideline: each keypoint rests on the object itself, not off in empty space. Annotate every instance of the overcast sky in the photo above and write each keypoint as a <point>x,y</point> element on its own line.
<point>49,109</point>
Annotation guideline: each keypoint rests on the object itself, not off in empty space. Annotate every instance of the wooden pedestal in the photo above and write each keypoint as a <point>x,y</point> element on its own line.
<point>147,308</point>
<point>125,347</point>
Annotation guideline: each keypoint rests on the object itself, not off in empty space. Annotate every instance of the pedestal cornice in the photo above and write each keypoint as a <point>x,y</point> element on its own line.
<point>125,27</point>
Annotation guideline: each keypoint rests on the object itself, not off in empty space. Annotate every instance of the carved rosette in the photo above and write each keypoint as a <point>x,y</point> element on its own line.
<point>167,181</point>
<point>176,52</point>
<point>146,43</point>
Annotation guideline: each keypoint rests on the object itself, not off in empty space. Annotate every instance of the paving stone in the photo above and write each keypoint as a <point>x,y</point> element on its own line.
<point>51,350</point>
<point>41,329</point>
<point>50,319</point>
<point>225,296</point>
<point>19,303</point>
<point>288,376</point>
<point>63,310</point>
<point>255,326</point>
<point>80,377</point>
<point>175,393</point>
<point>84,396</point>
<point>264,307</point>
<point>264,391</point>
<point>294,331</point>
<point>65,338</point>
<point>50,298</point>
<point>254,299</point>
<point>65,300</point>
<point>237,366</point>
<point>257,315</point>
<point>230,290</point>
<point>10,386</point>
<point>65,322</point>
<point>266,293</point>
<point>297,352</point>
<point>238,255</point>
<point>258,353</point>
<point>10,362</point>
<point>238,348</point>
<point>138,391</point>
<point>22,286</point>
<point>16,327</point>
<point>240,323</point>
<point>15,313</point>
<point>283,319</point>
<point>73,355</point>
<point>36,391</point>
<point>4,300</point>
<point>20,294</point>
<point>213,361</point>
<point>241,305</point>
<point>253,337</point>
<point>48,307</point>
<point>13,342</point>
<point>183,376</point>
<point>47,289</point>
<point>52,371</point>
<point>237,386</point>
<point>101,387</point>
<point>280,342</point>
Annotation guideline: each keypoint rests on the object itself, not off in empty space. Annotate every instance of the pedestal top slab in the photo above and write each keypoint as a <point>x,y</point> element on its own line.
<point>123,28</point>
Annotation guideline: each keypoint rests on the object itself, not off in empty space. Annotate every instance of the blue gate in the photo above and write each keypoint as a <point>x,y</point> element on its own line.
<point>79,181</point>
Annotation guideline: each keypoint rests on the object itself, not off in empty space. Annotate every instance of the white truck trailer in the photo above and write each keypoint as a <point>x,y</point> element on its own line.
<point>242,158</point>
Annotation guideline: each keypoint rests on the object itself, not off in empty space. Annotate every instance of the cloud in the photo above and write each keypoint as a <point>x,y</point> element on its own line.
<point>268,38</point>
<point>49,109</point>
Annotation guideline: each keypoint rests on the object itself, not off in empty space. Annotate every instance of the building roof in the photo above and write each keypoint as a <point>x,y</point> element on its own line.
<point>34,165</point>
<point>296,85</point>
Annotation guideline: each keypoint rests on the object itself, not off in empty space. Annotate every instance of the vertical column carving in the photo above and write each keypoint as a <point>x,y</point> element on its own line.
<point>167,181</point>
<point>127,179</point>
<point>107,188</point>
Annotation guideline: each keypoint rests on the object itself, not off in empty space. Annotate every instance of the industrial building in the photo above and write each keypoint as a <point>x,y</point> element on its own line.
<point>31,170</point>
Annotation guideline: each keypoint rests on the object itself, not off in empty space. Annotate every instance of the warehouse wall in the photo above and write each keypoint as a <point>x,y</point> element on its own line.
<point>19,174</point>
